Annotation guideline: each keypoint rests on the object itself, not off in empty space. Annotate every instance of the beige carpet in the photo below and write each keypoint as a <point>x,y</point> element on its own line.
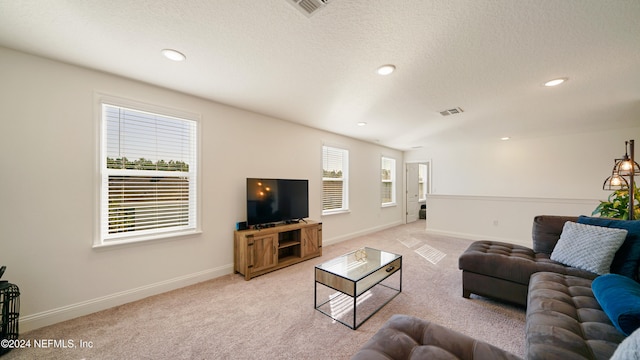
<point>273,317</point>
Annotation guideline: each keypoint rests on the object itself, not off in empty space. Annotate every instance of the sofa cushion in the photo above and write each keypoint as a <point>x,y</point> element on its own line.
<point>619,297</point>
<point>627,258</point>
<point>588,247</point>
<point>546,231</point>
<point>565,321</point>
<point>629,349</point>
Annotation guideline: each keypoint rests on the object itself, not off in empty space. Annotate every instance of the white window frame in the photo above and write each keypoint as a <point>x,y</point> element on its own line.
<point>392,180</point>
<point>344,154</point>
<point>102,237</point>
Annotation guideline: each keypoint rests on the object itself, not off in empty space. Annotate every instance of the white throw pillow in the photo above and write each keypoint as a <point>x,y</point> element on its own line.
<point>629,348</point>
<point>588,247</point>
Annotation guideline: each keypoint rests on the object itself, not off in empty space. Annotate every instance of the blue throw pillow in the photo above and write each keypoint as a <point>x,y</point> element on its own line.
<point>627,258</point>
<point>619,297</point>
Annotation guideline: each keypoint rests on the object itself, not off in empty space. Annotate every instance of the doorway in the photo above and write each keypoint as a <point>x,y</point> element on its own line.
<point>417,185</point>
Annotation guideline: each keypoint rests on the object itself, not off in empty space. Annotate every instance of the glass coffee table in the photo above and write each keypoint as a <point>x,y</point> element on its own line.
<point>358,282</point>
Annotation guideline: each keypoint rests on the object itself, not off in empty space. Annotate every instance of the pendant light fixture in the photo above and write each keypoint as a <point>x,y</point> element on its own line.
<point>626,166</point>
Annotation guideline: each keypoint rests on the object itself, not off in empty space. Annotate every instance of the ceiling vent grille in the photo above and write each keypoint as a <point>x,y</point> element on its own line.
<point>454,111</point>
<point>308,7</point>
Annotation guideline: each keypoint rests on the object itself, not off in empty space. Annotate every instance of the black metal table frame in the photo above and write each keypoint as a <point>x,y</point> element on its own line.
<point>355,298</point>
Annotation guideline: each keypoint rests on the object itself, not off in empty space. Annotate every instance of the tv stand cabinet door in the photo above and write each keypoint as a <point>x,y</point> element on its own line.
<point>311,241</point>
<point>263,252</point>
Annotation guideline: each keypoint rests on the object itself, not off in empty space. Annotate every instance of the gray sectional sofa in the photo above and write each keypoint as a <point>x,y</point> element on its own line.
<point>564,319</point>
<point>502,270</point>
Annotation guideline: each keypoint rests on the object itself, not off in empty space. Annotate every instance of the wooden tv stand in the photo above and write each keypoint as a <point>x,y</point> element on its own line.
<point>260,251</point>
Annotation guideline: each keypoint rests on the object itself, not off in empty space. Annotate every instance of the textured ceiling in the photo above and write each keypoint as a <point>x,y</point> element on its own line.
<point>489,57</point>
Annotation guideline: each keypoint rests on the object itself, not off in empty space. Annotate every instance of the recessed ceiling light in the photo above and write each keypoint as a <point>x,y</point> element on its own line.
<point>173,55</point>
<point>386,69</point>
<point>362,123</point>
<point>555,82</point>
<point>505,138</point>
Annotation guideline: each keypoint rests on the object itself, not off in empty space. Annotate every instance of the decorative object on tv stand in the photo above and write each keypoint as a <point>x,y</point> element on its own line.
<point>621,203</point>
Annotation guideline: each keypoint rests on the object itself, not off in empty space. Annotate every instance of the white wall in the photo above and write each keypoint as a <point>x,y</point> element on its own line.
<point>492,190</point>
<point>48,192</point>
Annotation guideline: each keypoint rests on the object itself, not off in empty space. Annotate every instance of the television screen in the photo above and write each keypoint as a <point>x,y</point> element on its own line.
<point>276,200</point>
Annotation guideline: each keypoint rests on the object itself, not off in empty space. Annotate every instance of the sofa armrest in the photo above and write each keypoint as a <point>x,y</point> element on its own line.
<point>546,231</point>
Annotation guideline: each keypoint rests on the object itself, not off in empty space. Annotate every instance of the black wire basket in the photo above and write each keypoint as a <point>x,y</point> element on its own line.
<point>10,307</point>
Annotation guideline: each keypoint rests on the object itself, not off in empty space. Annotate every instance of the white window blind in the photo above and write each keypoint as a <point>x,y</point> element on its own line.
<point>335,171</point>
<point>388,176</point>
<point>148,174</point>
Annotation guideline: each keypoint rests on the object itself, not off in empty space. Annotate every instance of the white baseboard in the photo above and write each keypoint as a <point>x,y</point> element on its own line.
<point>49,317</point>
<point>352,235</point>
<point>68,312</point>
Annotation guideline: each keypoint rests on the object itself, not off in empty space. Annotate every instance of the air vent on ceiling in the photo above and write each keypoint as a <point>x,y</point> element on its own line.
<point>308,7</point>
<point>451,111</point>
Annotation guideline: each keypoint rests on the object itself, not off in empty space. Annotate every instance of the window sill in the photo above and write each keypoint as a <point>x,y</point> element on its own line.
<point>144,239</point>
<point>386,205</point>
<point>336,212</point>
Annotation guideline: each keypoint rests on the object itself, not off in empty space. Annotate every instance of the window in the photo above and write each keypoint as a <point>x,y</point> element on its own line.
<point>335,175</point>
<point>422,182</point>
<point>148,170</point>
<point>388,188</point>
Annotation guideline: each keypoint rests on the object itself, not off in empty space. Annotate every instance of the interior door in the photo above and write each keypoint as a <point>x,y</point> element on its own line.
<point>413,207</point>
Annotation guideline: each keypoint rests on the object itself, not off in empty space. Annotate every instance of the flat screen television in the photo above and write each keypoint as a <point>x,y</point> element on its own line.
<point>276,200</point>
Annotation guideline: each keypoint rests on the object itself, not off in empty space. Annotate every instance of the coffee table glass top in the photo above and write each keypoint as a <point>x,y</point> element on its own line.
<point>358,264</point>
